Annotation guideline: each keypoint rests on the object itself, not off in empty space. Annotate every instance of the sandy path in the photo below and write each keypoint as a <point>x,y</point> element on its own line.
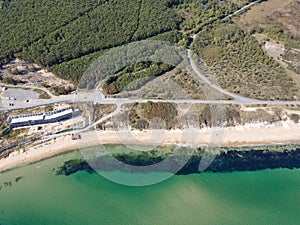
<point>254,134</point>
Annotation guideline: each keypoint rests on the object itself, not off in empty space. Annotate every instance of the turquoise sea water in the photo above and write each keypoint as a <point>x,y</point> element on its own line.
<point>41,197</point>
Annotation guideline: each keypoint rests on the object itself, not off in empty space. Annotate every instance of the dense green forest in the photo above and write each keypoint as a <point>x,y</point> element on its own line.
<point>53,33</point>
<point>198,14</point>
<point>66,36</point>
<point>105,26</point>
<point>241,65</point>
<point>24,22</point>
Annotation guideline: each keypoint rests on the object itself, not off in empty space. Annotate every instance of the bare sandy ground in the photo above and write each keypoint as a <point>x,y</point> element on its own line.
<point>252,134</point>
<point>258,13</point>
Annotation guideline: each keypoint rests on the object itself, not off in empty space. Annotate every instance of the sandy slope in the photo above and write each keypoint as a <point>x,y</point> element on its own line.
<point>252,134</point>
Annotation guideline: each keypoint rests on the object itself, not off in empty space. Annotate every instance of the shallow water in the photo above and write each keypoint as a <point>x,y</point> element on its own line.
<point>41,197</point>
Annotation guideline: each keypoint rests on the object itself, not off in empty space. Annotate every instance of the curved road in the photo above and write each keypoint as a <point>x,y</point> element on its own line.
<point>241,9</point>
<point>97,96</point>
<point>213,85</point>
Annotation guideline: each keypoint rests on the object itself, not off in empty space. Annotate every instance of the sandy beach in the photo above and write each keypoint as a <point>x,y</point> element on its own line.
<point>251,134</point>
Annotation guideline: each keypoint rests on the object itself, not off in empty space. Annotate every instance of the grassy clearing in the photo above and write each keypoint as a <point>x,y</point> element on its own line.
<point>153,115</point>
<point>275,18</point>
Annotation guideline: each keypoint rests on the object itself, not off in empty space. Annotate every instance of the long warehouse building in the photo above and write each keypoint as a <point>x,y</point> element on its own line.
<point>41,118</point>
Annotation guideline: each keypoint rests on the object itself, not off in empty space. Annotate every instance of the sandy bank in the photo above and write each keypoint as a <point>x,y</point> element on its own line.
<point>252,134</point>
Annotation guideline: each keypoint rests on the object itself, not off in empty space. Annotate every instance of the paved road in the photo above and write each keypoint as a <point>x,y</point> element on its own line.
<point>108,116</point>
<point>213,85</point>
<point>241,9</point>
<point>28,86</point>
<point>92,97</point>
<point>98,97</point>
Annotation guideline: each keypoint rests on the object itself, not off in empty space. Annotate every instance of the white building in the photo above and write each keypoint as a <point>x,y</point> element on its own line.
<point>40,118</point>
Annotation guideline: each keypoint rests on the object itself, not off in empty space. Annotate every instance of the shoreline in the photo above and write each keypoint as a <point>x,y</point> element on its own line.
<point>239,136</point>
